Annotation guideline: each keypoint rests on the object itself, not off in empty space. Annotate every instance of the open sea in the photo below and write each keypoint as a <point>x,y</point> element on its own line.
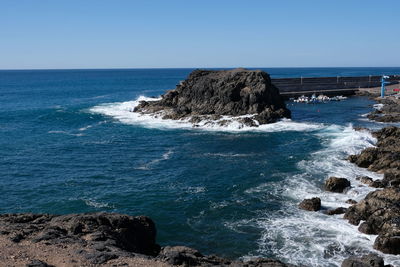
<point>69,144</point>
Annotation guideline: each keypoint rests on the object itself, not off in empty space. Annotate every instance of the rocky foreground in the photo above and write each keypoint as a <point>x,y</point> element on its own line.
<point>210,95</point>
<point>96,239</point>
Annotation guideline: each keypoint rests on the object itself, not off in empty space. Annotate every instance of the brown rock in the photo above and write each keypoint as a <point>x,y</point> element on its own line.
<point>335,184</point>
<point>313,204</point>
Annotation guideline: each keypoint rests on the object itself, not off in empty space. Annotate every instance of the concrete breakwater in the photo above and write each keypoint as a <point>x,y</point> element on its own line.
<point>293,87</point>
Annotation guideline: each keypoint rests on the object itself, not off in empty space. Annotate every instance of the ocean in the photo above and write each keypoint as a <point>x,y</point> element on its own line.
<point>69,143</point>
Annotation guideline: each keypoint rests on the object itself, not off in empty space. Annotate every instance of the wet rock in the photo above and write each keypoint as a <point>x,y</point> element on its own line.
<point>335,184</point>
<point>339,210</point>
<point>385,156</point>
<point>184,256</point>
<point>312,204</point>
<point>388,243</point>
<point>229,92</point>
<point>390,111</point>
<point>351,201</point>
<point>370,260</point>
<point>38,263</point>
<point>365,180</point>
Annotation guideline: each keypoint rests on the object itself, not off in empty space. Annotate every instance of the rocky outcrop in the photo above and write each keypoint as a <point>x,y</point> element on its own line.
<point>98,239</point>
<point>385,156</point>
<point>312,204</point>
<point>370,260</point>
<point>389,112</point>
<point>210,94</point>
<point>335,184</point>
<point>380,211</point>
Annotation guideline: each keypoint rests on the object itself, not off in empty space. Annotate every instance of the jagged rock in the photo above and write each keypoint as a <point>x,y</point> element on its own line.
<point>390,112</point>
<point>380,211</point>
<point>388,243</point>
<point>312,204</point>
<point>95,239</point>
<point>385,156</point>
<point>339,210</point>
<point>370,260</point>
<point>335,184</point>
<point>351,201</point>
<point>227,92</point>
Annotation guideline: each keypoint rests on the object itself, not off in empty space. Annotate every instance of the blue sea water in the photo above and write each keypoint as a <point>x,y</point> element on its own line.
<point>69,144</point>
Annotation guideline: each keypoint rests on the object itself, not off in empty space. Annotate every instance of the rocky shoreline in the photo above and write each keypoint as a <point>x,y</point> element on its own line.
<point>379,212</point>
<point>389,111</point>
<point>97,239</point>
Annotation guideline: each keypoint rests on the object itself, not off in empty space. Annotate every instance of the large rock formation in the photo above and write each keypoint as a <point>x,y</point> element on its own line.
<point>210,94</point>
<point>97,239</point>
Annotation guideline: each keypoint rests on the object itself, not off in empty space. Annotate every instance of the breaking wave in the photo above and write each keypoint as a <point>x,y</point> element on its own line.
<point>123,112</point>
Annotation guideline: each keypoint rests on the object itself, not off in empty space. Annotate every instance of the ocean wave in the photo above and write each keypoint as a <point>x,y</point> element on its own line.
<point>123,112</point>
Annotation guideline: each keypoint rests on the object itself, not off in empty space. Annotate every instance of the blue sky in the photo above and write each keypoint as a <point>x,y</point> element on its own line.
<point>186,33</point>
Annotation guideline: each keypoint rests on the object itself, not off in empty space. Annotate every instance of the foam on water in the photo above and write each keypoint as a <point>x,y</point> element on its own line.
<point>313,238</point>
<point>123,112</point>
<point>148,165</point>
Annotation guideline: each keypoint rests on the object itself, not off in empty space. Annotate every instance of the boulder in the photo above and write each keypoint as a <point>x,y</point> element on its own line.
<point>388,243</point>
<point>335,184</point>
<point>208,93</point>
<point>312,204</point>
<point>339,210</point>
<point>370,260</point>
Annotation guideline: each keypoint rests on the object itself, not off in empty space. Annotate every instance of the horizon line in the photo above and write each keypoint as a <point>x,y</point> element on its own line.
<point>177,68</point>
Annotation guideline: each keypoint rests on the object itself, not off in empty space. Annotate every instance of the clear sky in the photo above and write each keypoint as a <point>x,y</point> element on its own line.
<point>193,33</point>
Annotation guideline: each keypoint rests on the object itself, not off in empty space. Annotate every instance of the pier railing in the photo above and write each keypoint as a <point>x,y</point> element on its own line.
<point>328,85</point>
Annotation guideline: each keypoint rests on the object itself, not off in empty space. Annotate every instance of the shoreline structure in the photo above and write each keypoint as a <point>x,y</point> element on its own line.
<point>110,239</point>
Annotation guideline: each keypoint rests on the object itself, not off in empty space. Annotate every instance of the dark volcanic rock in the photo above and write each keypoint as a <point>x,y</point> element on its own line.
<point>101,237</point>
<point>390,112</point>
<point>312,204</point>
<point>339,210</point>
<point>185,256</point>
<point>385,156</point>
<point>229,92</point>
<point>380,211</point>
<point>38,263</point>
<point>370,260</point>
<point>335,184</point>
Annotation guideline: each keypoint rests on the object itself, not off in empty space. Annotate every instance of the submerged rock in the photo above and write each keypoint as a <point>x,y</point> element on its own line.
<point>335,184</point>
<point>312,204</point>
<point>235,92</point>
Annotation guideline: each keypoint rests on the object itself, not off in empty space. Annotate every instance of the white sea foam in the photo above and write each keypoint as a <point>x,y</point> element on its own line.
<point>123,112</point>
<point>97,204</point>
<point>313,238</point>
<point>148,165</point>
<point>65,132</point>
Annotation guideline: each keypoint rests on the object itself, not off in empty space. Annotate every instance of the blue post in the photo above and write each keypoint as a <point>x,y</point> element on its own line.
<point>383,83</point>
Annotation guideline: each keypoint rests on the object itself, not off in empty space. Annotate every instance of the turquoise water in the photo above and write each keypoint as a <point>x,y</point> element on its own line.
<point>68,143</point>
